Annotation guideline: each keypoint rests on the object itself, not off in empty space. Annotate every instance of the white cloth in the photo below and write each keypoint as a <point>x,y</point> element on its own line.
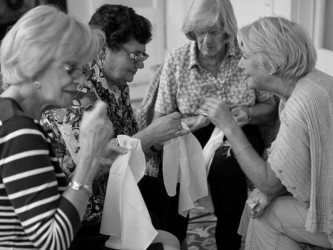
<point>183,163</point>
<point>215,141</point>
<point>125,217</point>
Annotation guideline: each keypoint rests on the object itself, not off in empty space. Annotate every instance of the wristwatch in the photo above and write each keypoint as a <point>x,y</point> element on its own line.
<point>77,186</point>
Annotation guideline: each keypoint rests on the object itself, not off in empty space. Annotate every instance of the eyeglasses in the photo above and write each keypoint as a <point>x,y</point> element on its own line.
<point>140,57</point>
<point>211,32</point>
<point>75,72</point>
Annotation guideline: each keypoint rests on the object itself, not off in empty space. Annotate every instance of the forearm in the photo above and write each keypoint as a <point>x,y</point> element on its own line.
<point>252,164</point>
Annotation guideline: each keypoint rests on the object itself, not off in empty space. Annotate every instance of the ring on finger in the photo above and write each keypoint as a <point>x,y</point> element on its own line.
<point>204,114</point>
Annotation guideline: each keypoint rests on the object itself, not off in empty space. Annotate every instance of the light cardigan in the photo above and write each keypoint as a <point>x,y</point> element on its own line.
<point>302,154</point>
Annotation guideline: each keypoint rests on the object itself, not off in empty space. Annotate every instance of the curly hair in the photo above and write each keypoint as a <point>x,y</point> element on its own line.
<point>121,24</point>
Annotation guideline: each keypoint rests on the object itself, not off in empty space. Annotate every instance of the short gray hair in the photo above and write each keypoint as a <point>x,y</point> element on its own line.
<point>40,37</point>
<point>284,45</point>
<point>207,13</point>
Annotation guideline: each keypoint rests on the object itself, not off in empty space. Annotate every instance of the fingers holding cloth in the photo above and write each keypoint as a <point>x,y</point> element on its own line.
<point>165,128</point>
<point>218,113</point>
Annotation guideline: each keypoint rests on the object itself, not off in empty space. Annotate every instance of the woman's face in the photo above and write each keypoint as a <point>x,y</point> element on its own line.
<point>59,85</point>
<point>211,41</point>
<point>255,69</point>
<point>119,67</point>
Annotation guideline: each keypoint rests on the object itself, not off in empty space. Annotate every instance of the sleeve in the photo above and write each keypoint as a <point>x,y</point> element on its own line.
<point>30,180</point>
<point>166,101</point>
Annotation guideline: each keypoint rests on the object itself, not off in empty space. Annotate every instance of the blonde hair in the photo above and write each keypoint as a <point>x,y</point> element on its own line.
<point>283,45</point>
<point>42,36</point>
<point>203,14</point>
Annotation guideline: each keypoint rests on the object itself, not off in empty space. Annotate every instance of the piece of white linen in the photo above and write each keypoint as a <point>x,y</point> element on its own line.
<point>125,215</point>
<point>215,142</point>
<point>183,163</point>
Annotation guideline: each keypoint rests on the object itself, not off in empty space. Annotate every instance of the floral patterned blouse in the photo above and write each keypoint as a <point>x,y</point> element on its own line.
<point>184,84</point>
<point>62,126</point>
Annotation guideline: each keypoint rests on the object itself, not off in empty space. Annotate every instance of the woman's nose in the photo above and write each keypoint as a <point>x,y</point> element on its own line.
<point>140,64</point>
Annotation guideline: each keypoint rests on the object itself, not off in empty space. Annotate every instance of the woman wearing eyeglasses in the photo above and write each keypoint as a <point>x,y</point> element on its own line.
<point>126,36</point>
<point>204,67</point>
<point>41,58</point>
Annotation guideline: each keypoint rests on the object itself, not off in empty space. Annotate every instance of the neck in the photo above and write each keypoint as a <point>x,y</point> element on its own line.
<point>25,95</point>
<point>284,88</point>
<point>212,61</point>
<point>111,82</point>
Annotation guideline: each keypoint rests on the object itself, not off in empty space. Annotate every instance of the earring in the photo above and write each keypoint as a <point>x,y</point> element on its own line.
<point>102,57</point>
<point>37,85</point>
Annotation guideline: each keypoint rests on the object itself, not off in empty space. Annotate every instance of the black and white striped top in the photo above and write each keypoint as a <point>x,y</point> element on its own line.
<point>33,213</point>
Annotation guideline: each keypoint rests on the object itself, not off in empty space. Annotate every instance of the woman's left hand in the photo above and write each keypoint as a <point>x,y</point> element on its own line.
<point>257,202</point>
<point>241,114</point>
<point>218,113</point>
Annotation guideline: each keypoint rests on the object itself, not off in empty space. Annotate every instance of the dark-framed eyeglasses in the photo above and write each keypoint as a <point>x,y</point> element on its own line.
<point>139,57</point>
<point>75,72</point>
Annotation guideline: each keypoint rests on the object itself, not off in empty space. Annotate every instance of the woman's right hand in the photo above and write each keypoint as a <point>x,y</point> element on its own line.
<point>166,127</point>
<point>95,132</point>
<point>196,122</point>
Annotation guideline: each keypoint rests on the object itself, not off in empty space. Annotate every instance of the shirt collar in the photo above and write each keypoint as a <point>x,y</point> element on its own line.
<point>10,107</point>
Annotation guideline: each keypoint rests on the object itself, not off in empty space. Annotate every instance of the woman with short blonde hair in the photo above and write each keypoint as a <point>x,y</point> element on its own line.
<point>292,204</point>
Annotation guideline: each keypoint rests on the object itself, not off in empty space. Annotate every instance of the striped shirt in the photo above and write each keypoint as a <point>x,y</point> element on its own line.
<point>33,213</point>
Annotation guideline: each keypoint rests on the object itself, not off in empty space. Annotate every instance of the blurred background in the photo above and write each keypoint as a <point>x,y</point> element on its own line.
<point>167,16</point>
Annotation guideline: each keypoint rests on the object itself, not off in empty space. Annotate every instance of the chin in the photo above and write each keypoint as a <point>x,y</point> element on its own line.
<point>129,79</point>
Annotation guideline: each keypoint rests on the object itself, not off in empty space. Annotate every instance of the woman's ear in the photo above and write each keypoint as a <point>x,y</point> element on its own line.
<point>101,56</point>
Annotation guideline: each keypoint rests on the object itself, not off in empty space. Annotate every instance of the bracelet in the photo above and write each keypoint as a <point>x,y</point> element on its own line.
<point>77,186</point>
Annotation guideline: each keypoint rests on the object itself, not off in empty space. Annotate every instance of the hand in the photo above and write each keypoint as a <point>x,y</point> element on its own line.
<point>112,149</point>
<point>95,132</point>
<point>165,128</point>
<point>196,122</point>
<point>218,113</point>
<point>241,114</point>
<point>257,202</point>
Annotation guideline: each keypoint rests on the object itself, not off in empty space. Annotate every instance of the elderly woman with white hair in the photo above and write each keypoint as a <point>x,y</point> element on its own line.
<point>41,63</point>
<point>280,58</point>
<point>207,66</point>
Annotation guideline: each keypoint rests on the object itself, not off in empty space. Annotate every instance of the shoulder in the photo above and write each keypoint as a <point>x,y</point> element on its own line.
<point>180,52</point>
<point>12,116</point>
<point>316,88</point>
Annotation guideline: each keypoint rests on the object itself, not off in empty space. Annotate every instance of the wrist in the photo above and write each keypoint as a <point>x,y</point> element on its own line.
<point>149,133</point>
<point>78,187</point>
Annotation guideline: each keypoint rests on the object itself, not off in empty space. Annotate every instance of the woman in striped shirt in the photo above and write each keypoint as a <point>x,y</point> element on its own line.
<point>41,63</point>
